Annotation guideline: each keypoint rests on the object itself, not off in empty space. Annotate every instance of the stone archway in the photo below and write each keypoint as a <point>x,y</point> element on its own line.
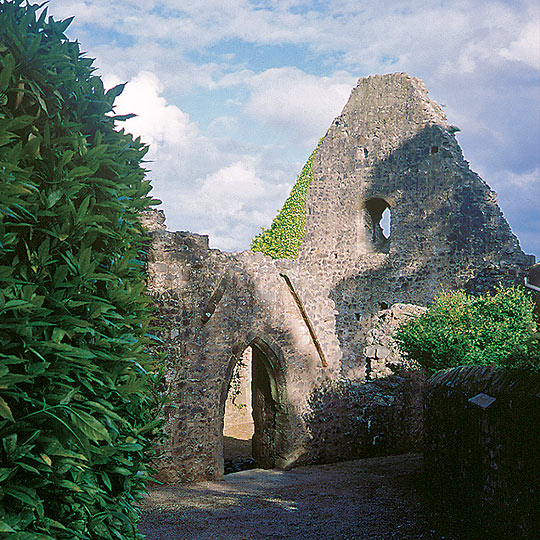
<point>268,405</point>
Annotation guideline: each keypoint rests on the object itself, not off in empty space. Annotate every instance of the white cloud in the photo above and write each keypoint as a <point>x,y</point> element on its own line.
<point>526,48</point>
<point>302,104</point>
<point>518,195</point>
<point>229,190</point>
<point>417,36</point>
<point>176,74</point>
<point>84,10</point>
<point>410,30</point>
<point>235,201</point>
<point>158,122</point>
<point>223,125</point>
<point>528,178</point>
<point>206,184</point>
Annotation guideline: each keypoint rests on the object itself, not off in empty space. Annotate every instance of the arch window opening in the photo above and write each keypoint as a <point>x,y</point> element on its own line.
<point>379,220</point>
<point>385,222</point>
<point>251,412</point>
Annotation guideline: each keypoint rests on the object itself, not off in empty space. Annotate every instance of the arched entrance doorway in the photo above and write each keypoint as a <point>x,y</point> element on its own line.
<point>254,410</point>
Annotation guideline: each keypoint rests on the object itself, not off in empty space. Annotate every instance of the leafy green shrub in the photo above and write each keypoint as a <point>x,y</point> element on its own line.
<point>284,237</point>
<point>527,355</point>
<point>77,390</point>
<point>460,329</point>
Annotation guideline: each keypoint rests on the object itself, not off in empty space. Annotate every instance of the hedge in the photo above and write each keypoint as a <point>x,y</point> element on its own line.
<point>461,329</point>
<point>77,388</point>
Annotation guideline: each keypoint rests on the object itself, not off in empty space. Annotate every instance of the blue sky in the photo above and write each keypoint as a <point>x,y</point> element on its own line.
<point>233,96</point>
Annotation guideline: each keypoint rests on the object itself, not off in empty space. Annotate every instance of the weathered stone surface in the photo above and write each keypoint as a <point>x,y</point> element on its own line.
<point>482,440</point>
<point>328,381</point>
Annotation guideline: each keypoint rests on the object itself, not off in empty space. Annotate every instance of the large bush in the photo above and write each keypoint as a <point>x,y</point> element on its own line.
<point>460,329</point>
<point>77,399</point>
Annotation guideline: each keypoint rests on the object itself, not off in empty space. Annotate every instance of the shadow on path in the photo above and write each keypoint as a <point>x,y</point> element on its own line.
<point>375,499</point>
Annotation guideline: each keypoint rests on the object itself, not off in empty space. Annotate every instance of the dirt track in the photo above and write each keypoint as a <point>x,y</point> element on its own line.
<point>375,499</point>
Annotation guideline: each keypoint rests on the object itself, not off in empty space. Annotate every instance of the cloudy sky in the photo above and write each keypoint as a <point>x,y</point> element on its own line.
<point>232,95</point>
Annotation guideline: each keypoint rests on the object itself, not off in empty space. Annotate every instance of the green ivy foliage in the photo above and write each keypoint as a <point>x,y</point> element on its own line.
<point>460,329</point>
<point>284,237</point>
<point>77,389</point>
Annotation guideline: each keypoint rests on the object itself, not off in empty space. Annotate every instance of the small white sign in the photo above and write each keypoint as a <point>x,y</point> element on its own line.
<point>482,400</point>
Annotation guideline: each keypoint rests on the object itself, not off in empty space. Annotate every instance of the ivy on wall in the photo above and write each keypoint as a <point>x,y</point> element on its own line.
<point>284,237</point>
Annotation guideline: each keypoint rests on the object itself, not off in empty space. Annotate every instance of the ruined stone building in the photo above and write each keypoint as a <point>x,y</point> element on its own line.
<point>327,381</point>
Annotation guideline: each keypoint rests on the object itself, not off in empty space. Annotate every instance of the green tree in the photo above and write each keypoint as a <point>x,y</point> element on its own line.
<point>77,389</point>
<point>460,329</point>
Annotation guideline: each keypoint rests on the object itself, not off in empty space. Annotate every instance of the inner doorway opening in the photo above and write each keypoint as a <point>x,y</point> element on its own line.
<point>252,412</point>
<point>238,426</point>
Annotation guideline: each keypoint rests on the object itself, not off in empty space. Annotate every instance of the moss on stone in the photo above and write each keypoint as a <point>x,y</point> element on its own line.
<point>284,237</point>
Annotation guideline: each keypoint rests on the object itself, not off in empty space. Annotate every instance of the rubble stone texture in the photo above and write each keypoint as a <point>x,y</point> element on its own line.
<point>481,451</point>
<point>328,382</point>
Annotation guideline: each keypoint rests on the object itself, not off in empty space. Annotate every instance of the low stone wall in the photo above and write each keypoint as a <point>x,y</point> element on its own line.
<point>482,447</point>
<point>351,420</point>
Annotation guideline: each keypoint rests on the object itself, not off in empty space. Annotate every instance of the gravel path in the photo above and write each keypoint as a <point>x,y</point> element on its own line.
<point>369,499</point>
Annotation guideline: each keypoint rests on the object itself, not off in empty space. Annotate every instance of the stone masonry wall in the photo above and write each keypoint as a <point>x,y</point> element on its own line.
<point>391,147</point>
<point>329,382</point>
<point>482,445</point>
<point>210,307</point>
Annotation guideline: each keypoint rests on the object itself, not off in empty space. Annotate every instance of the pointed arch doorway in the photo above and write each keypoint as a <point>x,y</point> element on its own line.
<point>254,409</point>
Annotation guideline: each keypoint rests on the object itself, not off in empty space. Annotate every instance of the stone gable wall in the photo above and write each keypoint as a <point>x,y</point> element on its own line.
<point>330,383</point>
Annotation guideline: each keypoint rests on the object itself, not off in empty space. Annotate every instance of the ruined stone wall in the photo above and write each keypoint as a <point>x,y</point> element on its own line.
<point>377,414</point>
<point>392,147</point>
<point>328,381</point>
<point>482,438</point>
<point>210,306</point>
